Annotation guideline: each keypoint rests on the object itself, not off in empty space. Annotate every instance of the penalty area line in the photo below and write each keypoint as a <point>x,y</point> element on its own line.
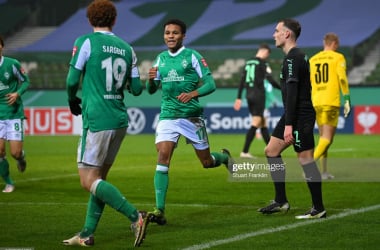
<point>264,231</point>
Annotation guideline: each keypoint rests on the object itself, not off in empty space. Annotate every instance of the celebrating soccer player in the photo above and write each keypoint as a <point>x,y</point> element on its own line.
<point>179,71</point>
<point>106,63</point>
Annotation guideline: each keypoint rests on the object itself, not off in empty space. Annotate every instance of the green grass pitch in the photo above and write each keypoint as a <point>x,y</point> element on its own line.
<point>205,207</point>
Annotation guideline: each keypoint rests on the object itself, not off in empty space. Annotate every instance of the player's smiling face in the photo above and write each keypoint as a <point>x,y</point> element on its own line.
<point>173,37</point>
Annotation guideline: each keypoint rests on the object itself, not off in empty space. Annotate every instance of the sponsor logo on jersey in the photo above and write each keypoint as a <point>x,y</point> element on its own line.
<point>173,77</point>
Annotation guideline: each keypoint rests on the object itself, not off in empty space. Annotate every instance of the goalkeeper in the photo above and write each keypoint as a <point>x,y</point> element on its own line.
<point>328,78</point>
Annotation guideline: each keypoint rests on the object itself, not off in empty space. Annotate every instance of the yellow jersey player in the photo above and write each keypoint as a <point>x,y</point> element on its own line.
<point>329,79</point>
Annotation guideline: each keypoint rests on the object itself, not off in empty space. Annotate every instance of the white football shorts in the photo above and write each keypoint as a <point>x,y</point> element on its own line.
<point>98,148</point>
<point>193,129</point>
<point>12,130</point>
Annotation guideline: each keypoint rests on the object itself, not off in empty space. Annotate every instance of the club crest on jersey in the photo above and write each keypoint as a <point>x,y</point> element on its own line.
<point>204,62</point>
<point>184,63</point>
<point>74,50</point>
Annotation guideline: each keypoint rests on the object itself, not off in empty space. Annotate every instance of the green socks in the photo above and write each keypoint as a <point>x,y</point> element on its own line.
<point>219,158</point>
<point>110,195</point>
<point>161,183</point>
<point>95,209</point>
<point>4,171</point>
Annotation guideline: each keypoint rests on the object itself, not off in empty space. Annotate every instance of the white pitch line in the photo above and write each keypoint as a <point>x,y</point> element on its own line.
<point>46,178</point>
<point>341,150</point>
<point>241,237</point>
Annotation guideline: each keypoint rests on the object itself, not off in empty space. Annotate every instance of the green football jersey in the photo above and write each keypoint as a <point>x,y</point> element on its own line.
<point>12,79</point>
<point>106,63</point>
<point>178,73</point>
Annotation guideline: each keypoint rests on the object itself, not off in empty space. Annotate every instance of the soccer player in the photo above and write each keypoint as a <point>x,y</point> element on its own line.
<point>256,70</point>
<point>295,126</point>
<point>180,71</point>
<point>106,64</point>
<point>328,78</point>
<point>13,83</point>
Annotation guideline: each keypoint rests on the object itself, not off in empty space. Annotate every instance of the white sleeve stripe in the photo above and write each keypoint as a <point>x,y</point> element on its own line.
<point>84,55</point>
<point>196,66</point>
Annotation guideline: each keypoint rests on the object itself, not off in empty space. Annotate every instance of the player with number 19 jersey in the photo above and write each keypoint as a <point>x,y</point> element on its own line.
<point>102,55</point>
<point>178,73</point>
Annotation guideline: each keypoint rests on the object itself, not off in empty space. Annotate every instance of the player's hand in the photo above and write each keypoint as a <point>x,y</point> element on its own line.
<point>347,105</point>
<point>237,104</point>
<point>185,97</point>
<point>75,107</point>
<point>12,98</point>
<point>347,108</point>
<point>288,135</point>
<point>152,73</point>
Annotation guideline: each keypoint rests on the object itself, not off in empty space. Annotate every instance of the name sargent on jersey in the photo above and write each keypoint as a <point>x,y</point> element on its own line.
<point>113,50</point>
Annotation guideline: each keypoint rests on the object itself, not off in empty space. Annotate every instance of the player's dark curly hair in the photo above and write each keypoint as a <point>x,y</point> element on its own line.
<point>101,13</point>
<point>1,41</point>
<point>178,22</point>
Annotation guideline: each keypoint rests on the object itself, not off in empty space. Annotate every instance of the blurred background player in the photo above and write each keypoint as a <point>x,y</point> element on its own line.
<point>255,72</point>
<point>13,83</point>
<point>180,71</point>
<point>329,79</point>
<point>296,125</point>
<point>104,64</point>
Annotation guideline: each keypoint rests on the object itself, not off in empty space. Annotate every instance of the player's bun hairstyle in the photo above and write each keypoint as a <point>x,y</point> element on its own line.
<point>1,41</point>
<point>177,22</point>
<point>293,25</point>
<point>101,13</point>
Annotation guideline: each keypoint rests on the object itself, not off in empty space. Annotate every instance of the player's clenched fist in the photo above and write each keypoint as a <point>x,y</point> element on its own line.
<point>153,73</point>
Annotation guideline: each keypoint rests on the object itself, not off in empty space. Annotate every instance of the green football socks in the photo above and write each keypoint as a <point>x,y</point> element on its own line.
<point>95,209</point>
<point>219,158</point>
<point>4,171</point>
<point>110,195</point>
<point>161,183</point>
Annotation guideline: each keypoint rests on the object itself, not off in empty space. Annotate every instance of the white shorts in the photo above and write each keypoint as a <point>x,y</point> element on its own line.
<point>12,130</point>
<point>96,149</point>
<point>193,129</point>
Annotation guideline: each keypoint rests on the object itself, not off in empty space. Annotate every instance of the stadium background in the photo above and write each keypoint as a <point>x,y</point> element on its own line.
<point>40,34</point>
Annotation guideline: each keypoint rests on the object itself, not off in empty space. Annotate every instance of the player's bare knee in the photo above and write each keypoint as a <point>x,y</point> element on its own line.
<point>269,152</point>
<point>86,185</point>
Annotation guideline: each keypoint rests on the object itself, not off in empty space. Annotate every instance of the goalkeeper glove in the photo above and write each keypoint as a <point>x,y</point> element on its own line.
<point>347,105</point>
<point>75,108</point>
